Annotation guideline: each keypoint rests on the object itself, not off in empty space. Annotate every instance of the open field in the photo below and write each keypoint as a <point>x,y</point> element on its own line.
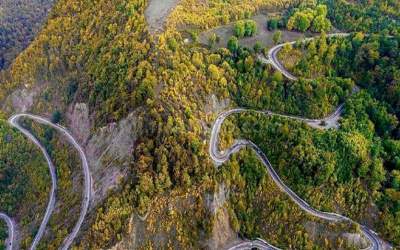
<point>264,36</point>
<point>157,12</point>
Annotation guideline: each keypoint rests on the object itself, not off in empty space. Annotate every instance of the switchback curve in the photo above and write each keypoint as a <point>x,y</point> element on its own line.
<point>11,230</point>
<point>330,122</point>
<point>13,121</point>
<point>221,157</point>
<point>86,171</point>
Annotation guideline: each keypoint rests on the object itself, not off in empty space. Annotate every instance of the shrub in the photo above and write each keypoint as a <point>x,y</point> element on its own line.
<point>245,28</point>
<point>250,28</point>
<point>257,47</point>
<point>272,24</point>
<point>56,117</point>
<point>277,37</point>
<point>239,29</point>
<point>233,44</point>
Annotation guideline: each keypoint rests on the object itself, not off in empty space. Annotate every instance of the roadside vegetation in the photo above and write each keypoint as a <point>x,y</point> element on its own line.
<point>259,86</point>
<point>376,16</point>
<point>69,184</point>
<point>24,181</point>
<point>372,61</point>
<point>347,171</point>
<point>312,18</point>
<point>259,209</point>
<point>102,54</point>
<point>3,235</point>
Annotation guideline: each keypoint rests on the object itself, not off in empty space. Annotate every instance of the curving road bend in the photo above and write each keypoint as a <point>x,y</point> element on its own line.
<point>273,55</point>
<point>11,229</point>
<point>52,199</point>
<point>255,244</point>
<point>87,177</point>
<point>221,157</point>
<point>326,123</point>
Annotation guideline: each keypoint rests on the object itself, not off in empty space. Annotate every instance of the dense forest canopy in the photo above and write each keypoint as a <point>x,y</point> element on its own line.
<point>101,55</point>
<point>20,20</point>
<point>24,179</point>
<point>363,15</point>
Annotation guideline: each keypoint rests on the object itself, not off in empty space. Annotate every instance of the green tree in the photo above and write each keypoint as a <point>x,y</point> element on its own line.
<point>299,21</point>
<point>277,76</point>
<point>322,10</point>
<point>277,37</point>
<point>272,24</point>
<point>56,116</point>
<point>233,44</point>
<point>240,29</point>
<point>250,28</point>
<point>396,179</point>
<point>257,47</point>
<point>172,44</point>
<point>308,18</point>
<point>214,72</point>
<point>321,24</point>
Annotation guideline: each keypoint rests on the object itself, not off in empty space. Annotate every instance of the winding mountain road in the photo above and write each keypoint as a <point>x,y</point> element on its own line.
<point>217,156</point>
<point>52,199</point>
<point>221,157</point>
<point>329,122</point>
<point>11,227</point>
<point>273,55</point>
<point>50,207</point>
<point>258,244</point>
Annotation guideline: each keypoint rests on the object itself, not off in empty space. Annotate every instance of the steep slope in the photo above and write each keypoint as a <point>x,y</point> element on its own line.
<point>24,182</point>
<point>99,53</point>
<point>142,106</point>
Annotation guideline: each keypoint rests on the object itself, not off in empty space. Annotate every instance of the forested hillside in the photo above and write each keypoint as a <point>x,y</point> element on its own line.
<point>24,181</point>
<point>20,20</point>
<point>367,16</point>
<point>143,105</point>
<point>3,234</point>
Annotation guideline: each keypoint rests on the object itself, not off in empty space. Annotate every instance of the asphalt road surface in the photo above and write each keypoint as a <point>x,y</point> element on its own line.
<point>329,122</point>
<point>273,55</point>
<point>86,172</point>
<point>221,157</point>
<point>52,199</point>
<point>11,227</point>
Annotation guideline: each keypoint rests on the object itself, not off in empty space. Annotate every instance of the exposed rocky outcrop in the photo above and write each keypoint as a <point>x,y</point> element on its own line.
<point>22,100</point>
<point>78,118</point>
<point>217,200</point>
<point>222,232</point>
<point>109,152</point>
<point>355,240</point>
<point>214,105</point>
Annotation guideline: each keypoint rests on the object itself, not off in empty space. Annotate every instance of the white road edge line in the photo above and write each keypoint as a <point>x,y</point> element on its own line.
<point>52,199</point>
<point>221,157</point>
<point>11,227</point>
<point>86,171</point>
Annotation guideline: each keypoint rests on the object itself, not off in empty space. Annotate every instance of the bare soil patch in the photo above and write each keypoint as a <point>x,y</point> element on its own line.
<point>263,35</point>
<point>157,12</point>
